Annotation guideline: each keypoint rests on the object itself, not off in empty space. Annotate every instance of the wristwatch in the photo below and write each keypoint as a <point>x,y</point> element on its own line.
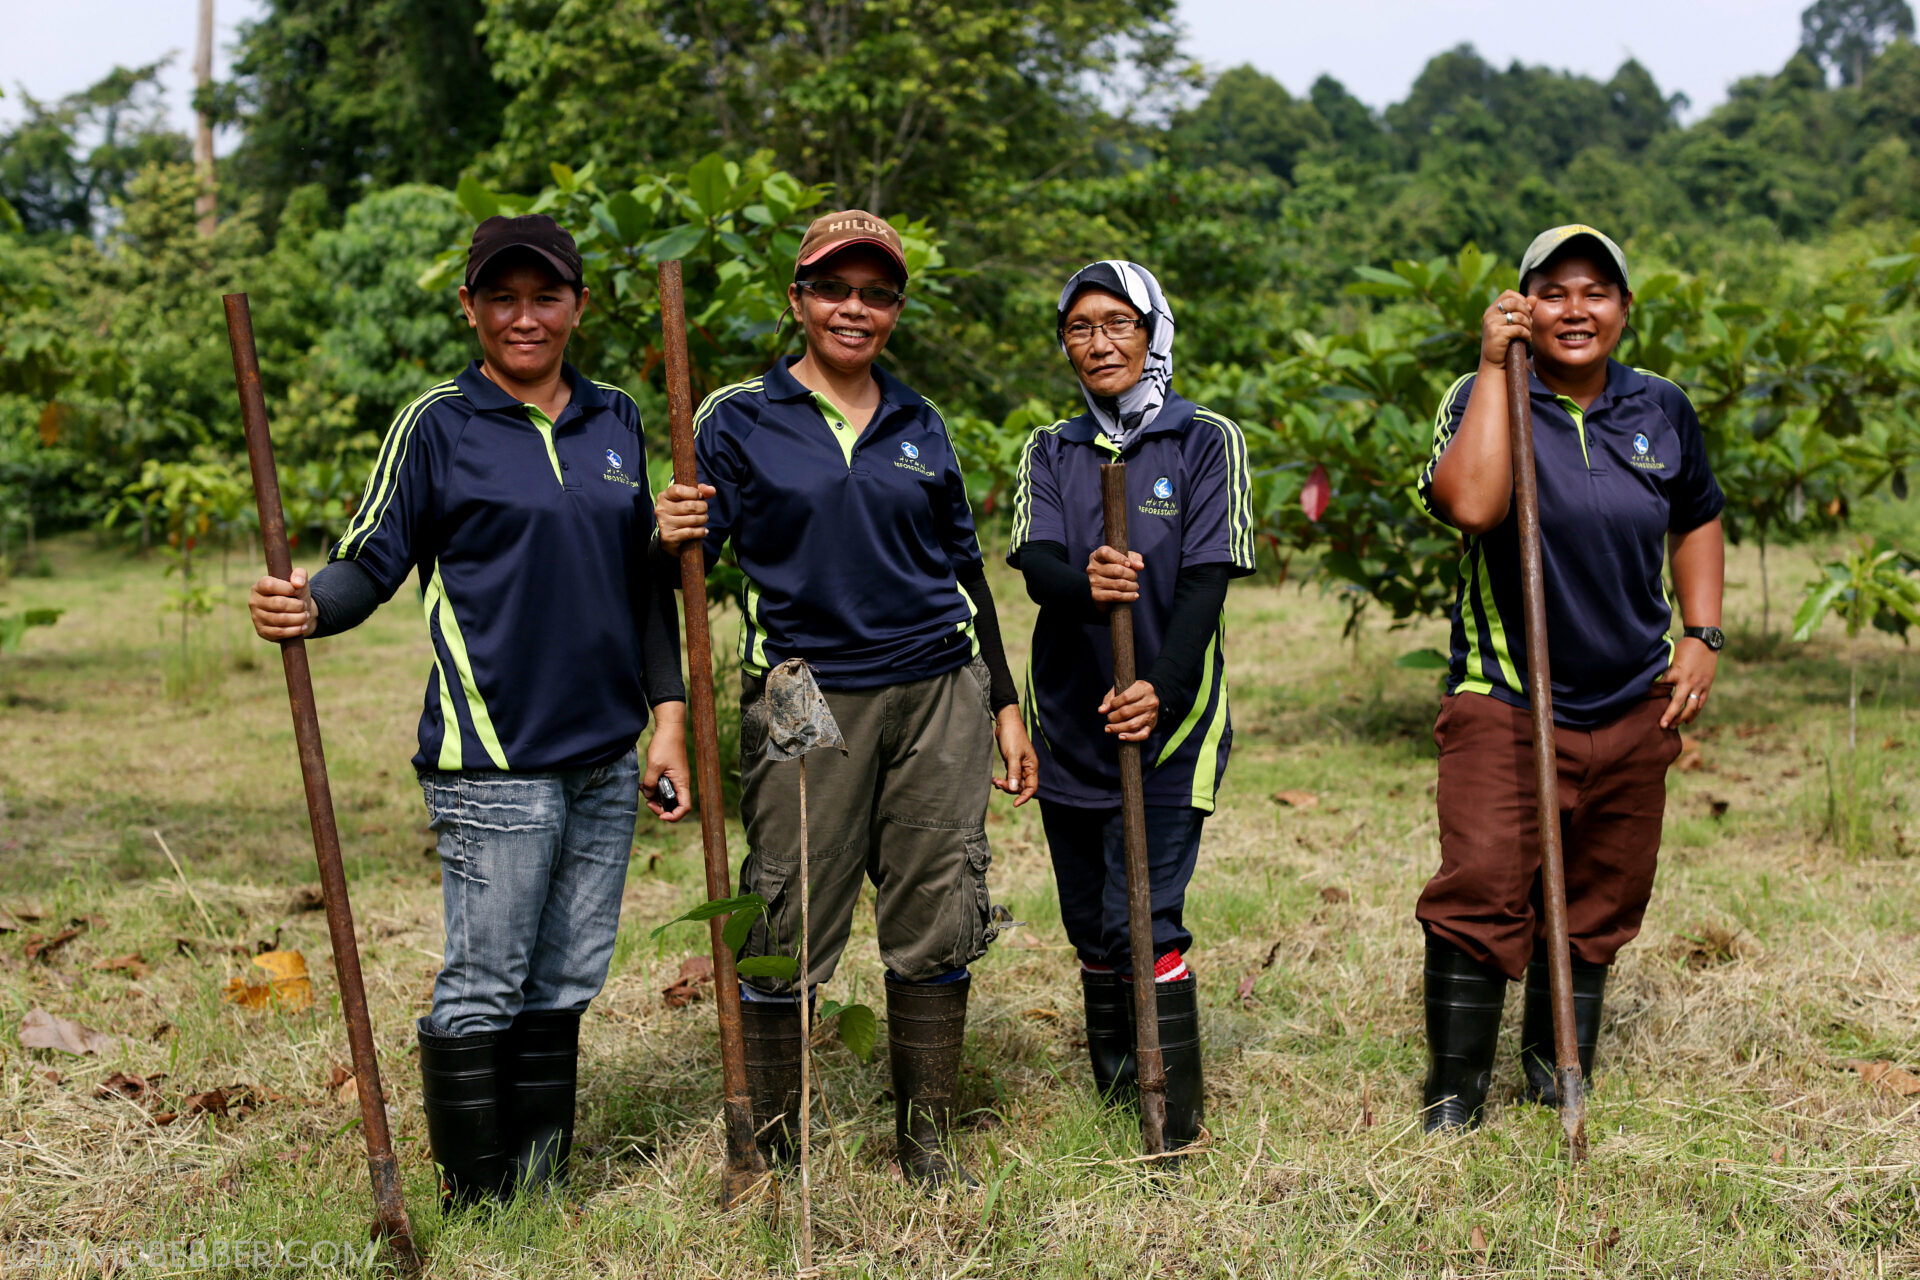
<point>1712,637</point>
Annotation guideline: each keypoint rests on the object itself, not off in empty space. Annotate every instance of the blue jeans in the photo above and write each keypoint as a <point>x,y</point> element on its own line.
<point>1090,869</point>
<point>532,866</point>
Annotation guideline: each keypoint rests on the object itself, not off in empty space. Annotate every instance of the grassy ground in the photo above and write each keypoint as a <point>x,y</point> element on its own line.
<point>1730,1137</point>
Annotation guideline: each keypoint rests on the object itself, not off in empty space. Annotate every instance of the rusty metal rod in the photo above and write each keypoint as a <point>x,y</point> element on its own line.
<point>1553,875</point>
<point>390,1209</point>
<point>744,1167</point>
<point>1133,815</point>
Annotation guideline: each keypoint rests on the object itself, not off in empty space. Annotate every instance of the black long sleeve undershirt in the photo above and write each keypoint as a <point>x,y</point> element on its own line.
<point>1199,593</point>
<point>347,595</point>
<point>986,629</point>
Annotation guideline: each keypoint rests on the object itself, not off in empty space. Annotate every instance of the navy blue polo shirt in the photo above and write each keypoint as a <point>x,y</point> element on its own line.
<point>529,539</point>
<point>1187,504</point>
<point>851,542</point>
<point>1615,480</point>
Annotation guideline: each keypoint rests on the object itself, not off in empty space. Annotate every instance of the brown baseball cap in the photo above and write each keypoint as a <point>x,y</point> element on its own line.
<point>534,232</point>
<point>832,232</point>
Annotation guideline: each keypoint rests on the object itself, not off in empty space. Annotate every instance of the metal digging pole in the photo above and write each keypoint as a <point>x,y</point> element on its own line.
<point>745,1167</point>
<point>390,1209</point>
<point>1553,876</point>
<point>1133,809</point>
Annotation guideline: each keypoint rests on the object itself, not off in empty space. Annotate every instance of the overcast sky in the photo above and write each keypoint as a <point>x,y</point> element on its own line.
<point>1377,47</point>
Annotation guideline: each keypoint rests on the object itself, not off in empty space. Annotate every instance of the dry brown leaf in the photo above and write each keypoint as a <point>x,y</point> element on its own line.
<point>42,1030</point>
<point>211,1103</point>
<point>1892,744</point>
<point>341,1085</point>
<point>133,964</point>
<point>1690,757</point>
<point>1709,946</point>
<point>1333,893</point>
<point>1718,808</point>
<point>164,1118</point>
<point>287,987</point>
<point>1244,993</point>
<point>695,971</point>
<point>306,898</point>
<point>1884,1075</point>
<point>134,1088</point>
<point>40,946</point>
<point>1302,800</point>
<point>1044,1015</point>
<point>52,1077</point>
<point>1477,1241</point>
<point>7,923</point>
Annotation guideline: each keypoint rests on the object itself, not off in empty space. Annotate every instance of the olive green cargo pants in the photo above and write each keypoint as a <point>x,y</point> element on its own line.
<point>905,807</point>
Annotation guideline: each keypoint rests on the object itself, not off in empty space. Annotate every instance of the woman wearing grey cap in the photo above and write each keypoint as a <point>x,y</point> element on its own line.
<point>1625,490</point>
<point>516,493</point>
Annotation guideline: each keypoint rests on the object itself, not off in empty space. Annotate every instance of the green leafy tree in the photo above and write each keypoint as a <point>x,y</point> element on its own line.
<point>64,165</point>
<point>1844,35</point>
<point>899,105</point>
<point>356,95</point>
<point>1248,119</point>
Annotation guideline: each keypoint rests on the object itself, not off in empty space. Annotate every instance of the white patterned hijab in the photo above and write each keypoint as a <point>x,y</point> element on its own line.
<point>1124,417</point>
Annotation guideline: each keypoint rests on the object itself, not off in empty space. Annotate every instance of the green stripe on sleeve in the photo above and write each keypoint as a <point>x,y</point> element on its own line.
<point>386,469</point>
<point>439,606</point>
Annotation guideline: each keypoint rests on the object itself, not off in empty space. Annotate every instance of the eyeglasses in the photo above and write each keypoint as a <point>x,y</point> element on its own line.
<point>839,291</point>
<point>1118,329</point>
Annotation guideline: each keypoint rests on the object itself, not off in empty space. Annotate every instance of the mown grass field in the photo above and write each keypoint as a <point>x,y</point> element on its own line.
<point>1730,1136</point>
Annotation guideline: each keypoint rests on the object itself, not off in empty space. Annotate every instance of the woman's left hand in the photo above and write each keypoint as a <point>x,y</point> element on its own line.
<point>667,757</point>
<point>1023,762</point>
<point>1691,676</point>
<point>1132,715</point>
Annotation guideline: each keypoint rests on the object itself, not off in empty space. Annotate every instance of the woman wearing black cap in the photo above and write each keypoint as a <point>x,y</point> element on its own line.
<point>517,493</point>
<point>1624,487</point>
<point>1190,528</point>
<point>843,499</point>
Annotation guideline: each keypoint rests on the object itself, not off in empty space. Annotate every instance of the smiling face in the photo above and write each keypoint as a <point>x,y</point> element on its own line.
<point>1106,367</point>
<point>1579,314</point>
<point>523,315</point>
<point>849,335</point>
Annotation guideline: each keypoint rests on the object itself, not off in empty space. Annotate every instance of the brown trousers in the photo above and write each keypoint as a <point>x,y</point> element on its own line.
<point>1485,899</point>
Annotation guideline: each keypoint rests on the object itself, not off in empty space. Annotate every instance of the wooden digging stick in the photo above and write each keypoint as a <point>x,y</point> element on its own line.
<point>390,1209</point>
<point>1553,875</point>
<point>1133,811</point>
<point>745,1167</point>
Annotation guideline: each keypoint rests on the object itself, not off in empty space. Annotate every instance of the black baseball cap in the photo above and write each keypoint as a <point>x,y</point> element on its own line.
<point>533,232</point>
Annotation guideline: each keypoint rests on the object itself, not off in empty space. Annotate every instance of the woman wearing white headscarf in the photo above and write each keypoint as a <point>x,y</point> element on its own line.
<point>1190,528</point>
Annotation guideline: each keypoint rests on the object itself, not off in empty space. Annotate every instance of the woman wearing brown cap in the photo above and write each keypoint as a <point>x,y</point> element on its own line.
<point>517,493</point>
<point>839,490</point>
<point>1624,489</point>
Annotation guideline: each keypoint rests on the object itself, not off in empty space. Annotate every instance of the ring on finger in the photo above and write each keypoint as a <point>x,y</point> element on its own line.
<point>1507,316</point>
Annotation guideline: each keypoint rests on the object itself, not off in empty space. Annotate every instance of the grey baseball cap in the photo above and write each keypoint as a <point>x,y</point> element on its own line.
<point>1549,245</point>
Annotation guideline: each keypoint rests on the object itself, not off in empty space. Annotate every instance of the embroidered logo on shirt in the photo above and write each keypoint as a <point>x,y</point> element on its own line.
<point>1162,503</point>
<point>1643,456</point>
<point>909,459</point>
<point>617,473</point>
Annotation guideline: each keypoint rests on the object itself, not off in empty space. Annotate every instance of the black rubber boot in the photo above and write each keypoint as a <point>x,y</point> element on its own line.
<point>539,1074</point>
<point>1110,1036</point>
<point>1464,1002</point>
<point>926,1023</point>
<point>1536,1028</point>
<point>1179,1004</point>
<point>460,1091</point>
<point>771,1029</point>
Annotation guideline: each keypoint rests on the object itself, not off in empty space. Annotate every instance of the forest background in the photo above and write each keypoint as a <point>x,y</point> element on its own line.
<point>1327,261</point>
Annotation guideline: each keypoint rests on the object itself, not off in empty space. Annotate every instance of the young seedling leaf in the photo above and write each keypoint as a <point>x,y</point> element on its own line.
<point>717,907</point>
<point>859,1029</point>
<point>783,967</point>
